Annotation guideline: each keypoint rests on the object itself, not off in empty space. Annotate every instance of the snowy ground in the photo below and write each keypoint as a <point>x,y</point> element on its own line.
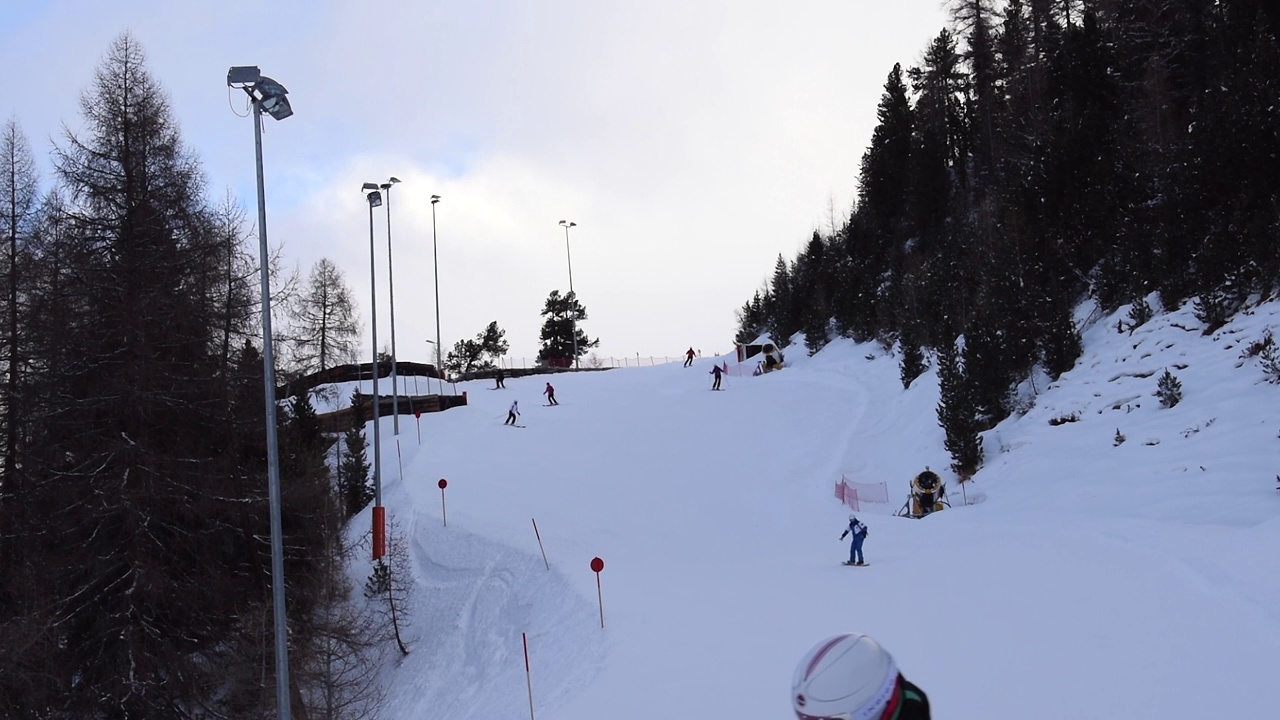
<point>1084,579</point>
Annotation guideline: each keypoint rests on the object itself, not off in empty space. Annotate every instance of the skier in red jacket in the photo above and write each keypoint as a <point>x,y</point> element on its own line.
<point>550,392</point>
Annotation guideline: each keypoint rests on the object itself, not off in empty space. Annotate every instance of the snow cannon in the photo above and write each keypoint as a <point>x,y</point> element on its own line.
<point>928,494</point>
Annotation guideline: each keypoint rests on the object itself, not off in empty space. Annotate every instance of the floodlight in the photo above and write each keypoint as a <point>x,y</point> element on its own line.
<point>369,186</point>
<point>243,75</point>
<point>375,199</point>
<point>435,199</point>
<point>392,181</point>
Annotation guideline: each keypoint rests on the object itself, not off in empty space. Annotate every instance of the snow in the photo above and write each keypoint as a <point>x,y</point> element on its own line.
<point>1083,579</point>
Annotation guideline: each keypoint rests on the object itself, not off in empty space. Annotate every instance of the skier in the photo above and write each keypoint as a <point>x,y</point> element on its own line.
<point>851,676</point>
<point>859,534</point>
<point>498,378</point>
<point>688,358</point>
<point>715,370</point>
<point>513,413</point>
<point>550,392</point>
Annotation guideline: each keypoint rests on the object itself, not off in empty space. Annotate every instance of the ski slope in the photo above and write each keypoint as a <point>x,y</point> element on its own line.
<point>1084,579</point>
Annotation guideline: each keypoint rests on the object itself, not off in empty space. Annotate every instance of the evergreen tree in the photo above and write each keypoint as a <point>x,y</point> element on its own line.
<point>782,316</point>
<point>479,354</point>
<point>814,305</point>
<point>913,362</point>
<point>161,564</point>
<point>354,487</point>
<point>751,320</point>
<point>1060,345</point>
<point>957,413</point>
<point>564,316</point>
<point>1169,389</point>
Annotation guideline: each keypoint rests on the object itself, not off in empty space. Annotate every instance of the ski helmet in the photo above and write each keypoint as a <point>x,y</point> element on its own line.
<point>845,677</point>
<point>852,517</point>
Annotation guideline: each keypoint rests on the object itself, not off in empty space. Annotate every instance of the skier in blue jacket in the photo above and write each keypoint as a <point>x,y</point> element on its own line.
<point>859,532</point>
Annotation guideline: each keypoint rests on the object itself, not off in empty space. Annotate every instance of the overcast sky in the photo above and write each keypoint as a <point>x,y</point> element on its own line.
<point>692,141</point>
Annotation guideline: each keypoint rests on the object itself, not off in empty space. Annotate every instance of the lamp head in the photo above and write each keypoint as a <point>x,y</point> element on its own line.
<point>271,95</point>
<point>243,75</point>
<point>369,186</point>
<point>435,199</point>
<point>375,199</point>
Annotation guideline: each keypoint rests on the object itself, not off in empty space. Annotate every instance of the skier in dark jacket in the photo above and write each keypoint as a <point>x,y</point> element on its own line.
<point>859,532</point>
<point>851,676</point>
<point>550,392</point>
<point>688,358</point>
<point>498,379</point>
<point>715,370</point>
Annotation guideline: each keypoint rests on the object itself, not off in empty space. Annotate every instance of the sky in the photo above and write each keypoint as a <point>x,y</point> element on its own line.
<point>691,142</point>
<point>1075,576</point>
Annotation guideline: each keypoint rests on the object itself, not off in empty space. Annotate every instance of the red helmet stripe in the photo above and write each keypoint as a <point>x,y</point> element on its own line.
<point>822,652</point>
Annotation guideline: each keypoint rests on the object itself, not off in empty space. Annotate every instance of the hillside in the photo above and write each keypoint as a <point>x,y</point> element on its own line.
<point>1083,579</point>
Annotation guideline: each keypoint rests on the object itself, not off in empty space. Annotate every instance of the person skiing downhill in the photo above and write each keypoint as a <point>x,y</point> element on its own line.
<point>688,358</point>
<point>850,677</point>
<point>859,532</point>
<point>513,413</point>
<point>550,392</point>
<point>498,379</point>
<point>715,370</point>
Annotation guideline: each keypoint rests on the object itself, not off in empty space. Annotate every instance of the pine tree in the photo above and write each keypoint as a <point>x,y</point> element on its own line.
<point>913,362</point>
<point>163,562</point>
<point>751,320</point>
<point>354,488</point>
<point>1169,389</point>
<point>957,413</point>
<point>782,316</point>
<point>479,354</point>
<point>1060,345</point>
<point>564,316</point>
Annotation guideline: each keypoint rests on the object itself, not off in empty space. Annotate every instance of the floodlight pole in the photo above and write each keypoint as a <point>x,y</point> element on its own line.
<point>435,263</point>
<point>273,448</point>
<point>377,421</point>
<point>573,316</point>
<point>391,288</point>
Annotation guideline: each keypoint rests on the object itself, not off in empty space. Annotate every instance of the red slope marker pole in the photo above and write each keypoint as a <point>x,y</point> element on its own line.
<point>596,566</point>
<point>528,679</point>
<point>544,551</point>
<point>444,517</point>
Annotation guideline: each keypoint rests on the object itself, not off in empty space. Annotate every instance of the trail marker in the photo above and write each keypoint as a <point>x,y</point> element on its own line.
<point>596,566</point>
<point>443,513</point>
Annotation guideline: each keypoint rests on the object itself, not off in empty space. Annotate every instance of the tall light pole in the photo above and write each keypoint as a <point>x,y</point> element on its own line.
<point>269,95</point>
<point>379,514</point>
<point>435,262</point>
<point>573,316</point>
<point>391,288</point>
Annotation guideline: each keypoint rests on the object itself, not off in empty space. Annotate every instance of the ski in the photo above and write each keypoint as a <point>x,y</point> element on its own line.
<point>849,564</point>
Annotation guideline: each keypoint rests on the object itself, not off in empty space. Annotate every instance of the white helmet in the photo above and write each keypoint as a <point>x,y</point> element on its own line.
<point>845,677</point>
<point>852,517</point>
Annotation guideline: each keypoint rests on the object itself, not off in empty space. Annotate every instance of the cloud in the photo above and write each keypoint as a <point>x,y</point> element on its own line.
<point>692,142</point>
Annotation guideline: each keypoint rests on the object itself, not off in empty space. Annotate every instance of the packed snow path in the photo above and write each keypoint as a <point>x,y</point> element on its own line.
<point>1085,580</point>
